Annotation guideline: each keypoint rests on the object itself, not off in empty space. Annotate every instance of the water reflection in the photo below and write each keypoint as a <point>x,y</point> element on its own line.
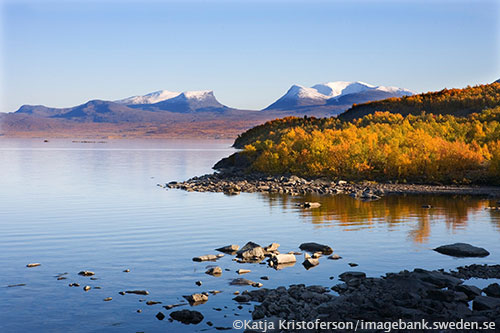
<point>342,210</point>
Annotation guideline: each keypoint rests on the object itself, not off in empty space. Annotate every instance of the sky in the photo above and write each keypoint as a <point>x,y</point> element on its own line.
<point>64,53</point>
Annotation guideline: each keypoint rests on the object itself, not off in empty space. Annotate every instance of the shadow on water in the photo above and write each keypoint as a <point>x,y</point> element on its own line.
<point>352,214</point>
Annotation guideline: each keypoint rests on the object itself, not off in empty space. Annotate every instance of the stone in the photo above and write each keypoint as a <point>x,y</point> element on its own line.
<point>107,299</point>
<point>282,259</point>
<point>121,292</point>
<point>196,298</point>
<point>187,316</point>
<point>485,303</point>
<point>126,270</point>
<point>208,257</point>
<point>470,291</point>
<point>242,298</point>
<point>462,250</point>
<point>86,273</point>
<point>309,204</point>
<point>334,257</point>
<point>214,271</point>
<point>309,263</point>
<point>316,255</point>
<point>241,282</point>
<point>152,302</point>
<point>352,264</point>
<point>137,292</point>
<point>159,315</point>
<point>86,288</point>
<point>315,247</point>
<point>36,264</point>
<point>251,251</point>
<point>493,290</point>
<point>272,247</point>
<point>264,278</point>
<point>198,283</point>
<point>243,271</point>
<point>346,276</point>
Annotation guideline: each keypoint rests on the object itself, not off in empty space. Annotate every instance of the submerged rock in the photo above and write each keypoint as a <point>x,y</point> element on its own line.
<point>137,292</point>
<point>229,248</point>
<point>309,205</point>
<point>215,271</point>
<point>36,264</point>
<point>187,316</point>
<point>462,250</point>
<point>86,273</point>
<point>315,247</point>
<point>208,257</point>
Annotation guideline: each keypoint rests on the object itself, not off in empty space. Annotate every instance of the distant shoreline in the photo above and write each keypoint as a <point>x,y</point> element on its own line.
<point>234,183</point>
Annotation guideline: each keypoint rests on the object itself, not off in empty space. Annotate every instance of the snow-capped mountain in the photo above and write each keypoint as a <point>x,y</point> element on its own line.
<point>150,98</point>
<point>334,93</point>
<point>190,101</point>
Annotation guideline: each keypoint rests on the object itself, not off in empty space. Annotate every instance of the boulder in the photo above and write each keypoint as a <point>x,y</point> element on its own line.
<point>229,248</point>
<point>187,316</point>
<point>216,271</point>
<point>315,247</point>
<point>493,290</point>
<point>196,298</point>
<point>282,259</point>
<point>309,263</point>
<point>462,250</point>
<point>346,276</point>
<point>251,251</point>
<point>485,303</point>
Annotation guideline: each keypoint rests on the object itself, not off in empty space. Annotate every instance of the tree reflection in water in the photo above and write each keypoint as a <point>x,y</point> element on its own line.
<point>392,210</point>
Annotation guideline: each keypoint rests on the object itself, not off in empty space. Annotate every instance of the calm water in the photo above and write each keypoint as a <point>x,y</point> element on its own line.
<point>96,206</point>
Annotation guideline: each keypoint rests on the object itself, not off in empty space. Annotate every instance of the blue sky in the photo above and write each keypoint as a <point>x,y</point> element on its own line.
<point>59,53</point>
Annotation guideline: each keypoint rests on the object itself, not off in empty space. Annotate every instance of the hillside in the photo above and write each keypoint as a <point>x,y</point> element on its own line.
<point>457,102</point>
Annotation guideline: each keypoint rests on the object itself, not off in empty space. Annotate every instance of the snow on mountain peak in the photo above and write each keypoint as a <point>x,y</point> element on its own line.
<point>150,98</point>
<point>298,91</point>
<point>198,95</point>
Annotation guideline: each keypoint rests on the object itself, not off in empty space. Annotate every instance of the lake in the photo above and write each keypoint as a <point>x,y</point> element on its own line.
<point>96,206</point>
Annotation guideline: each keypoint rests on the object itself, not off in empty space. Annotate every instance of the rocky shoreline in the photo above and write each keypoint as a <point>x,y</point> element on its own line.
<point>233,183</point>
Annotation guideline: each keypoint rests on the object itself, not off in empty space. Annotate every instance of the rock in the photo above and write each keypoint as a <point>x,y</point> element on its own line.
<point>352,264</point>
<point>74,284</point>
<point>252,251</point>
<point>86,273</point>
<point>137,292</point>
<point>208,257</point>
<point>215,271</point>
<point>126,270</point>
<point>243,271</point>
<point>470,291</point>
<point>462,250</point>
<point>16,285</point>
<point>493,290</point>
<point>236,292</point>
<point>86,288</point>
<point>61,278</point>
<point>187,316</point>
<point>121,292</point>
<point>139,311</point>
<point>334,257</point>
<point>242,298</point>
<point>316,255</point>
<point>196,299</point>
<point>36,264</point>
<point>214,292</point>
<point>427,206</point>
<point>315,247</point>
<point>264,278</point>
<point>485,303</point>
<point>341,182</point>
<point>159,316</point>
<point>241,282</point>
<point>282,259</point>
<point>107,299</point>
<point>346,276</point>
<point>272,247</point>
<point>171,306</point>
<point>309,205</point>
<point>152,303</point>
<point>198,283</point>
<point>228,249</point>
<point>309,263</point>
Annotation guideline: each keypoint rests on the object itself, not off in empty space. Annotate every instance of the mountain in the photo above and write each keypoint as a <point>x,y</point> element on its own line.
<point>151,98</point>
<point>456,102</point>
<point>187,102</point>
<point>333,95</point>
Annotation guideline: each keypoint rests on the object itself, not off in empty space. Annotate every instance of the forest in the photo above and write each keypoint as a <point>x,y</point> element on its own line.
<point>426,147</point>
